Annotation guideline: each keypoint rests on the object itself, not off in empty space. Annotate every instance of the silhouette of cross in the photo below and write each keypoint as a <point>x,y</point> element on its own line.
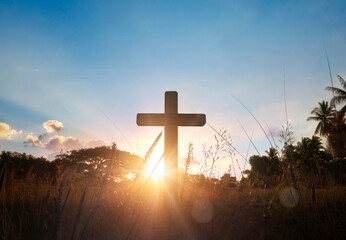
<point>171,119</point>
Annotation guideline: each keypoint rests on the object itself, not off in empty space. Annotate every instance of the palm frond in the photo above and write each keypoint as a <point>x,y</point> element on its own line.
<point>338,100</point>
<point>313,118</point>
<point>340,92</point>
<point>318,128</point>
<point>323,115</point>
<point>342,82</point>
<point>343,109</point>
<point>329,88</point>
<point>315,110</point>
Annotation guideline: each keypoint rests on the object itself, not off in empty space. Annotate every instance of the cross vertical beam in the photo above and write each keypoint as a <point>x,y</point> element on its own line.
<point>171,150</point>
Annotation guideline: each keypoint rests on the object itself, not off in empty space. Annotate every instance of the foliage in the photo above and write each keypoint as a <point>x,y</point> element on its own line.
<point>265,170</point>
<point>228,181</point>
<point>22,164</point>
<point>312,162</point>
<point>339,94</point>
<point>336,139</point>
<point>309,154</point>
<point>101,161</point>
<point>324,115</point>
<point>332,123</point>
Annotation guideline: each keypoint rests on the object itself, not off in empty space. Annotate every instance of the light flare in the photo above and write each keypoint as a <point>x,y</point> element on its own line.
<point>149,168</point>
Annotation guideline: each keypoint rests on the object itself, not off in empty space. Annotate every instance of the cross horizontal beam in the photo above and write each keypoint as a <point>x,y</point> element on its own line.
<point>182,119</point>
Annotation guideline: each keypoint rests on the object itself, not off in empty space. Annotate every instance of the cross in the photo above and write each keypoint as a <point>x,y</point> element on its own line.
<point>171,119</point>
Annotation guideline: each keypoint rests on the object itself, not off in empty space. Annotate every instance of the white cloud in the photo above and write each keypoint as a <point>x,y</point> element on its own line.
<point>53,126</point>
<point>58,142</point>
<point>7,132</point>
<point>32,140</point>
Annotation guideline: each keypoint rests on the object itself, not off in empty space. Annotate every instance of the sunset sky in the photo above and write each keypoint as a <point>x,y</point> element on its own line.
<point>82,63</point>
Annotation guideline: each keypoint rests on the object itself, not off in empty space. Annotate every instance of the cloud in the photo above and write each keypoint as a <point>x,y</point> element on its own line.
<point>32,140</point>
<point>53,126</point>
<point>274,131</point>
<point>96,143</point>
<point>7,132</point>
<point>60,142</point>
<point>57,143</point>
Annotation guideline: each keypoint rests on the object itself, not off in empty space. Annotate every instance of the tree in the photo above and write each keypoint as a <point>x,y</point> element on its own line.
<point>324,115</point>
<point>340,94</point>
<point>309,156</point>
<point>227,181</point>
<point>22,165</point>
<point>105,161</point>
<point>274,169</point>
<point>336,139</point>
<point>265,170</point>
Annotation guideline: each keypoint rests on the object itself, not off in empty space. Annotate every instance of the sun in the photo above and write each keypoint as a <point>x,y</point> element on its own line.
<point>152,161</point>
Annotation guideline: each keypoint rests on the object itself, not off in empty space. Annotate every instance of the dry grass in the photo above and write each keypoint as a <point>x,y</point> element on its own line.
<point>78,209</point>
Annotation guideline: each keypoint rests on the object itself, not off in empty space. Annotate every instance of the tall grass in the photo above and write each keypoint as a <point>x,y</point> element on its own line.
<point>188,161</point>
<point>28,212</point>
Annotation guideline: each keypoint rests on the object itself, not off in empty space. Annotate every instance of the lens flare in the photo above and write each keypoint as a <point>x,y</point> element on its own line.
<point>288,197</point>
<point>202,211</point>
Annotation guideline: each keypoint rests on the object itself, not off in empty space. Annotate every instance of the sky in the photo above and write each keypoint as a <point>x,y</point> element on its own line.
<point>75,73</point>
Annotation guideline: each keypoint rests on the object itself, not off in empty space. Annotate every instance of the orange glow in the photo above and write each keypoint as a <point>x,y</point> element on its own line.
<point>152,161</point>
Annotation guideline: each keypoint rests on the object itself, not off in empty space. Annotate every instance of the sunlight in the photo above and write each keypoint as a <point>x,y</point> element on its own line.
<point>159,171</point>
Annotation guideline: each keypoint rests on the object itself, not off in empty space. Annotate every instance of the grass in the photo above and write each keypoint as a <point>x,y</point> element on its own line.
<point>95,209</point>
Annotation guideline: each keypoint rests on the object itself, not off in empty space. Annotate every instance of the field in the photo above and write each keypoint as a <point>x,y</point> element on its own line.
<point>75,207</point>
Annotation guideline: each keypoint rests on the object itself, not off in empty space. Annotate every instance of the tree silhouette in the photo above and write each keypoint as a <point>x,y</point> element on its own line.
<point>336,139</point>
<point>324,115</point>
<point>265,170</point>
<point>22,164</point>
<point>309,156</point>
<point>105,161</point>
<point>340,94</point>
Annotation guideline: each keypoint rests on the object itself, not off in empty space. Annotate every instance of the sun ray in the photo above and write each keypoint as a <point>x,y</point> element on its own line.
<point>152,161</point>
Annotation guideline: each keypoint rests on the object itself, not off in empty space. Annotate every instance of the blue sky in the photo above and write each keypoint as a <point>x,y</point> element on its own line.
<point>74,61</point>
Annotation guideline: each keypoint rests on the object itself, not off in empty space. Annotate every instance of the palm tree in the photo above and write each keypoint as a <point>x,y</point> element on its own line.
<point>336,139</point>
<point>273,165</point>
<point>309,154</point>
<point>272,153</point>
<point>310,146</point>
<point>340,94</point>
<point>324,115</point>
<point>316,145</point>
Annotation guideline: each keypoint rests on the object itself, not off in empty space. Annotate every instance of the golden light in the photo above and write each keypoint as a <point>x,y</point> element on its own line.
<point>152,161</point>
